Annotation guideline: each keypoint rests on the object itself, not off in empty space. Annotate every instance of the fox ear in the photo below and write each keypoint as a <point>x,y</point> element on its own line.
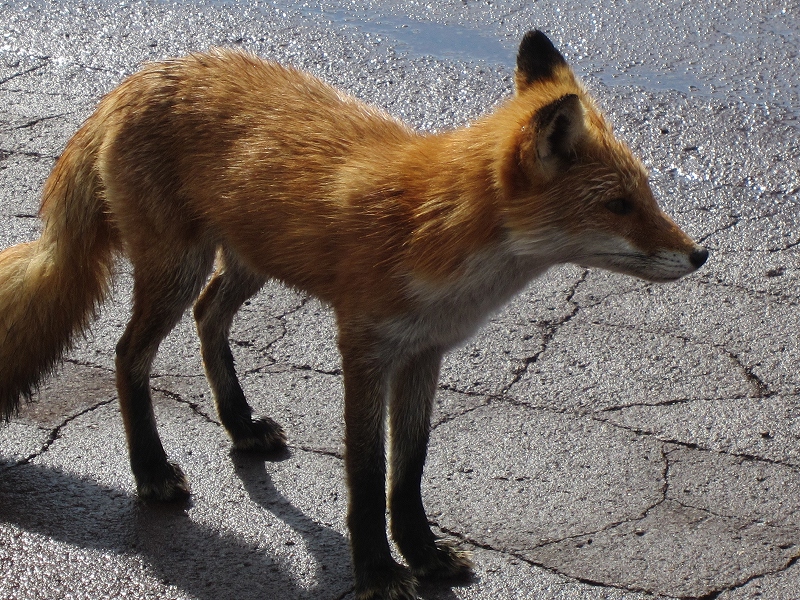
<point>553,134</point>
<point>537,59</point>
<point>559,126</point>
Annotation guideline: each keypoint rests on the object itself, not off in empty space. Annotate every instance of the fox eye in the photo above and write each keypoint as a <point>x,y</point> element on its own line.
<point>620,206</point>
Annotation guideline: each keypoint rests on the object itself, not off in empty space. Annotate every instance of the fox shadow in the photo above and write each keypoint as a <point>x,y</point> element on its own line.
<point>251,470</point>
<point>204,562</point>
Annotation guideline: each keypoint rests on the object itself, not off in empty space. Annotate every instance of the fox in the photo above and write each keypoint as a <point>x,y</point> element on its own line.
<point>225,165</point>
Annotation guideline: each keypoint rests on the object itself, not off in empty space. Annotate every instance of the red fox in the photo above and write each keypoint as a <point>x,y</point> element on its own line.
<point>412,238</point>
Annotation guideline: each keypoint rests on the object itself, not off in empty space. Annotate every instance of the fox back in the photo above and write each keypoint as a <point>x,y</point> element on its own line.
<point>310,186</point>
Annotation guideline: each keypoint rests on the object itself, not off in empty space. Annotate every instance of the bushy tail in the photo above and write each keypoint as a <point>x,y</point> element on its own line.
<point>50,288</point>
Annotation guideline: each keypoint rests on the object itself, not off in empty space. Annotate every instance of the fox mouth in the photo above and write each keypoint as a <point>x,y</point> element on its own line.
<point>658,279</point>
<point>661,267</point>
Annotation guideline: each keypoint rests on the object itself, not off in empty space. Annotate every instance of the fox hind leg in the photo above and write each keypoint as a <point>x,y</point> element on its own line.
<point>165,284</point>
<point>231,285</point>
<point>414,386</point>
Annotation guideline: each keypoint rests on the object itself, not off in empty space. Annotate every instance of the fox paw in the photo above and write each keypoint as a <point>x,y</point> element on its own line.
<point>261,435</point>
<point>444,560</point>
<point>392,582</point>
<point>166,483</point>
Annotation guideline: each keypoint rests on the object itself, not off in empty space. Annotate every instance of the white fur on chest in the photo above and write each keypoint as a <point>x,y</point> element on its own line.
<point>447,314</point>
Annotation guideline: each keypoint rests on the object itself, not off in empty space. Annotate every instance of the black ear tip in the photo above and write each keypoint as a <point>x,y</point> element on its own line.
<point>535,42</point>
<point>537,56</point>
<point>536,37</point>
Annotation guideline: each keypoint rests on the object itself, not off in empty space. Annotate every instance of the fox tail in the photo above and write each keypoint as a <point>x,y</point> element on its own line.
<point>51,288</point>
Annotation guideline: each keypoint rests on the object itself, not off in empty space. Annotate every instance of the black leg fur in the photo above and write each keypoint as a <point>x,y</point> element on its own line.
<point>231,285</point>
<point>160,298</point>
<point>410,411</point>
<point>377,575</point>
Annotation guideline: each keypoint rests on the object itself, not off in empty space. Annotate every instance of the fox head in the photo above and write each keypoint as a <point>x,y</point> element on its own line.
<point>572,189</point>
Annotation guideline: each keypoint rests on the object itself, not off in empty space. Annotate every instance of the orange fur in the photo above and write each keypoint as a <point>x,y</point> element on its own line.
<point>50,288</point>
<point>412,238</point>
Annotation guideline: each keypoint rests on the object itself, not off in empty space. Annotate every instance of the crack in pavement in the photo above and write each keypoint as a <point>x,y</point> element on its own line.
<point>598,417</point>
<point>760,387</point>
<point>670,402</point>
<point>89,364</point>
<point>550,330</point>
<point>534,563</point>
<point>272,360</point>
<point>55,434</point>
<point>736,219</point>
<point>193,405</point>
<point>740,584</point>
<point>455,415</point>
<point>615,524</point>
<point>664,497</point>
<point>750,522</point>
<point>5,153</point>
<point>706,281</point>
<point>311,369</point>
<point>703,279</point>
<point>34,122</point>
<point>691,445</point>
<point>197,409</point>
<point>789,246</point>
<point>320,451</point>
<point>44,59</point>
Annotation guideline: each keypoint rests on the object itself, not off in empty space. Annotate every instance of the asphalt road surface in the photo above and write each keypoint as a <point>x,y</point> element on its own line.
<point>600,438</point>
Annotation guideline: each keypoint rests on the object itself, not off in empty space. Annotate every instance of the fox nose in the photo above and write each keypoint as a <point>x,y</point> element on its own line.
<point>698,257</point>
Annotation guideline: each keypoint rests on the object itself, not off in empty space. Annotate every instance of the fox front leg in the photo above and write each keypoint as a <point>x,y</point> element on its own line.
<point>366,385</point>
<point>414,386</point>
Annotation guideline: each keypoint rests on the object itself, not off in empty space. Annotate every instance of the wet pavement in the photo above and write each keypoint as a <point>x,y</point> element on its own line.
<point>600,438</point>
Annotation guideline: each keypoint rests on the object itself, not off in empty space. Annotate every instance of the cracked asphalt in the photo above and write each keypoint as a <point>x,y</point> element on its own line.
<point>600,438</point>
